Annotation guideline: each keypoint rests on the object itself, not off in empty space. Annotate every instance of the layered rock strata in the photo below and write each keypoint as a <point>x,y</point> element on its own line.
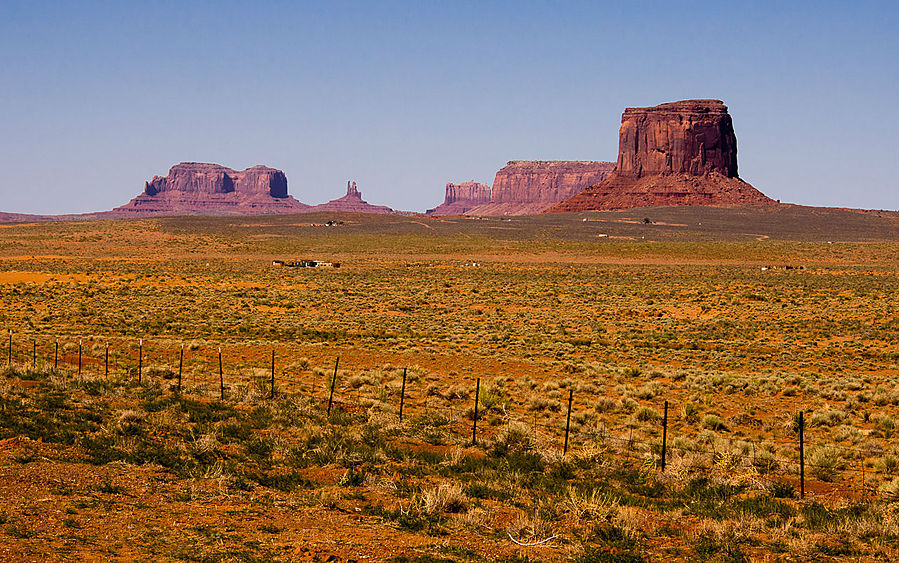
<point>462,197</point>
<point>679,153</point>
<point>196,188</point>
<point>525,187</point>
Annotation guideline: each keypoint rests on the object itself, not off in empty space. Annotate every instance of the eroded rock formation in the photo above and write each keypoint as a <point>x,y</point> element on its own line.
<point>462,197</point>
<point>352,202</point>
<point>197,188</point>
<point>679,153</point>
<point>693,137</point>
<point>524,187</point>
<point>201,177</point>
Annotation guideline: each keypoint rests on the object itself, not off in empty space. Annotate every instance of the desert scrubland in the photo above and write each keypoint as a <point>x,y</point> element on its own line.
<point>740,319</point>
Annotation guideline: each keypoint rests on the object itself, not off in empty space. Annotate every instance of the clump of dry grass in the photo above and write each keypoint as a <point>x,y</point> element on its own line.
<point>443,498</point>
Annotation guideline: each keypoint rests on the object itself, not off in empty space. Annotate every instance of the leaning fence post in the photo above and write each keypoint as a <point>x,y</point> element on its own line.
<point>140,359</point>
<point>403,395</point>
<point>568,420</point>
<point>333,383</point>
<point>474,426</point>
<point>222,376</point>
<point>9,351</point>
<point>801,455</point>
<point>664,434</point>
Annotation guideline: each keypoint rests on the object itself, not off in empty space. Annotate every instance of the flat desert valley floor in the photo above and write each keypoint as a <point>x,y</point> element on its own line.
<point>560,337</point>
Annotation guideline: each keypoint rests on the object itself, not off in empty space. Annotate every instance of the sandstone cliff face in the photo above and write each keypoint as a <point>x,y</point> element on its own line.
<point>679,153</point>
<point>461,197</point>
<point>524,187</point>
<point>205,178</point>
<point>197,188</point>
<point>352,202</point>
<point>467,191</point>
<point>545,181</point>
<point>261,180</point>
<point>692,137</point>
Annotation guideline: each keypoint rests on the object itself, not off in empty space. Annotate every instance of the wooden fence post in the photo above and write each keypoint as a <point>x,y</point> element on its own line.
<point>664,434</point>
<point>864,492</point>
<point>630,444</point>
<point>403,395</point>
<point>106,361</point>
<point>33,354</point>
<point>56,356</point>
<point>474,426</point>
<point>801,455</point>
<point>273,373</point>
<point>140,359</point>
<point>79,360</point>
<point>180,367</point>
<point>333,383</point>
<point>568,420</point>
<point>9,351</point>
<point>222,376</point>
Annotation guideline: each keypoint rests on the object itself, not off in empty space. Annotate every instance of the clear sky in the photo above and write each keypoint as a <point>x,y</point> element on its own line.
<point>402,97</point>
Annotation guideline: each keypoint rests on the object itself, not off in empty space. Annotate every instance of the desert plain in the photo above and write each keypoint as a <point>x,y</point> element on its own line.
<point>458,389</point>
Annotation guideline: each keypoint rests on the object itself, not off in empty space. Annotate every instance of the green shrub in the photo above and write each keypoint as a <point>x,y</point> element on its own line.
<point>825,463</point>
<point>689,413</point>
<point>514,438</point>
<point>714,422</point>
<point>647,414</point>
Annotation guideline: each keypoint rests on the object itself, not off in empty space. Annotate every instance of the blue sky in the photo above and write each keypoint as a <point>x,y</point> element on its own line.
<point>402,97</point>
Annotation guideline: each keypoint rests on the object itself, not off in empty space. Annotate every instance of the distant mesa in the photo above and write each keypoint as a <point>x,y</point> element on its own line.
<point>462,197</point>
<point>197,188</point>
<point>523,187</point>
<point>198,177</point>
<point>678,153</point>
<point>352,202</point>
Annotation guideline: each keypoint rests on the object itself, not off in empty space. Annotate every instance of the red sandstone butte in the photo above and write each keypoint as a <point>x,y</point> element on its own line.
<point>197,188</point>
<point>461,197</point>
<point>679,153</point>
<point>352,202</point>
<point>524,187</point>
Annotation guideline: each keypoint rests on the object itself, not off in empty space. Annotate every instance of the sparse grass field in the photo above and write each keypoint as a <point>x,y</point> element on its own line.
<point>619,314</point>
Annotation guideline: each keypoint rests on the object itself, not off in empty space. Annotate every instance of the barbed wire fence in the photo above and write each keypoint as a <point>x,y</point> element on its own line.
<point>202,370</point>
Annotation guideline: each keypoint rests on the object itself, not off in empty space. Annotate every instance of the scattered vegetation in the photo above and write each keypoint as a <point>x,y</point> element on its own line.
<point>620,326</point>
